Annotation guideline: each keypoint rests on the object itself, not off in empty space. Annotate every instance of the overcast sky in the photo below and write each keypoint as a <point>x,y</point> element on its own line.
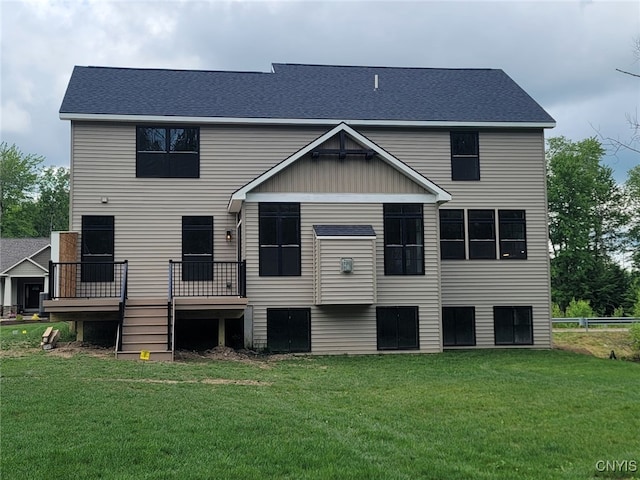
<point>564,54</point>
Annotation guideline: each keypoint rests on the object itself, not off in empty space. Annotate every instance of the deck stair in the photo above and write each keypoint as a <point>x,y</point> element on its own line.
<point>145,328</point>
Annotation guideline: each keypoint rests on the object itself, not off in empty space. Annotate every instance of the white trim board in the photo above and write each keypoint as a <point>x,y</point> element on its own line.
<point>298,121</point>
<point>303,197</point>
<point>345,237</point>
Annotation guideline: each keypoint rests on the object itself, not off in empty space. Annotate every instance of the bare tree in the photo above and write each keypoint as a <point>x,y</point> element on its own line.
<point>633,143</point>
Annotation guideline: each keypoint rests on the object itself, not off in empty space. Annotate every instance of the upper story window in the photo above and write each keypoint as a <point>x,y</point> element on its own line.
<point>513,235</point>
<point>465,157</point>
<point>452,234</point>
<point>403,239</point>
<point>167,152</point>
<point>279,239</point>
<point>482,234</point>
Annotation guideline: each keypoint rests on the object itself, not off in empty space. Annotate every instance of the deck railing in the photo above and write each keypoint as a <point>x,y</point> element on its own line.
<point>87,279</point>
<point>122,306</point>
<point>207,279</point>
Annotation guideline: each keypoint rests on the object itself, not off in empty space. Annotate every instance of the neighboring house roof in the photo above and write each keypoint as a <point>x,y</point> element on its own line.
<point>438,194</point>
<point>344,230</point>
<point>15,250</point>
<point>319,94</point>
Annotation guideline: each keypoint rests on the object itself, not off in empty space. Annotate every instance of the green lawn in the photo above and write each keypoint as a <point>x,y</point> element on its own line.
<point>456,415</point>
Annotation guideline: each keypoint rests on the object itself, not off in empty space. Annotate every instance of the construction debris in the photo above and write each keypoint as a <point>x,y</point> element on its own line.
<point>49,338</point>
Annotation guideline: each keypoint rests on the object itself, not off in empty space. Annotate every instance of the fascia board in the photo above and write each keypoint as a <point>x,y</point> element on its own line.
<point>298,121</point>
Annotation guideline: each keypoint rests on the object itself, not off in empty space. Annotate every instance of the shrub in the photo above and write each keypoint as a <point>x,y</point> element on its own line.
<point>618,311</point>
<point>636,306</point>
<point>634,331</point>
<point>579,309</point>
<point>556,311</point>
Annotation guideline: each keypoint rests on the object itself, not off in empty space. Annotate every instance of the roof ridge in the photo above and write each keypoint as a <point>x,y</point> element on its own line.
<point>383,67</point>
<point>314,65</point>
<point>160,69</point>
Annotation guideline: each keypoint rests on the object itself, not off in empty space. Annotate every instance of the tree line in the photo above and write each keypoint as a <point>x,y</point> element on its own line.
<point>594,231</point>
<point>594,223</point>
<point>34,199</point>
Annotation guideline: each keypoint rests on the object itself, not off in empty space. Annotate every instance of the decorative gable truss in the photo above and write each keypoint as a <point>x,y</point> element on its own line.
<point>337,144</point>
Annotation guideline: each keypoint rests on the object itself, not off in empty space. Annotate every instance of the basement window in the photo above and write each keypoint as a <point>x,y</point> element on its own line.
<point>513,325</point>
<point>289,330</point>
<point>397,328</point>
<point>458,326</point>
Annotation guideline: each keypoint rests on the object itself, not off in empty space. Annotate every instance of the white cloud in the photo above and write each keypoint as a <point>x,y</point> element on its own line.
<point>14,118</point>
<point>563,53</point>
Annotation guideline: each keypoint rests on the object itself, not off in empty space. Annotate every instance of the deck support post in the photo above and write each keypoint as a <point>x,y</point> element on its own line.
<point>80,331</point>
<point>221,332</point>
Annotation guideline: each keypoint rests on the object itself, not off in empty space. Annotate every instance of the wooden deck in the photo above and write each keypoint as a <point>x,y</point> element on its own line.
<point>226,307</point>
<point>232,306</point>
<point>146,320</point>
<point>79,305</point>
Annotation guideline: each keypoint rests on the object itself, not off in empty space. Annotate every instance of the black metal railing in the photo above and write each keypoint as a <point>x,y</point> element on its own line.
<point>87,279</point>
<point>207,279</point>
<point>123,304</point>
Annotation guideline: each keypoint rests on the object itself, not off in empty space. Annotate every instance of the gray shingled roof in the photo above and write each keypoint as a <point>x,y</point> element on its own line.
<point>344,230</point>
<point>305,92</point>
<point>14,250</point>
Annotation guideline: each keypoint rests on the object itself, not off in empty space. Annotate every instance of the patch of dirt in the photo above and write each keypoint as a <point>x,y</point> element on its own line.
<point>207,381</point>
<point>570,348</point>
<point>62,349</point>
<point>15,351</point>
<point>225,353</point>
<point>71,349</point>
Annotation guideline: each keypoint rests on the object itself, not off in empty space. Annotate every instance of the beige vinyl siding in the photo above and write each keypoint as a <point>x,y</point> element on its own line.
<point>345,328</point>
<point>332,175</point>
<point>512,176</point>
<point>332,286</point>
<point>148,214</point>
<point>148,211</point>
<point>334,143</point>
